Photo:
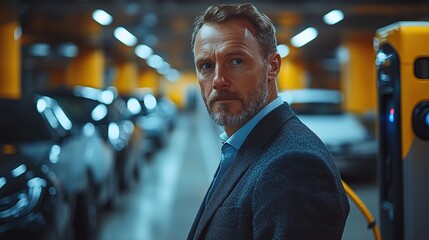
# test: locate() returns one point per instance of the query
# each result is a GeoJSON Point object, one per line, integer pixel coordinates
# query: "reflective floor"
{"type": "Point", "coordinates": [163, 203]}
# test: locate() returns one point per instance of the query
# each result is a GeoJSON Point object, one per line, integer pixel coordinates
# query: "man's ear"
{"type": "Point", "coordinates": [274, 63]}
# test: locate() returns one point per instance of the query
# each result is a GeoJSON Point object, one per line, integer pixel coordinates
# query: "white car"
{"type": "Point", "coordinates": [350, 138]}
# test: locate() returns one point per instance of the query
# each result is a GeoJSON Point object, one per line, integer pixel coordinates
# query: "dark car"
{"type": "Point", "coordinates": [52, 178]}
{"type": "Point", "coordinates": [109, 114]}
{"type": "Point", "coordinates": [32, 201]}
{"type": "Point", "coordinates": [349, 137]}
{"type": "Point", "coordinates": [156, 121]}
{"type": "Point", "coordinates": [168, 109]}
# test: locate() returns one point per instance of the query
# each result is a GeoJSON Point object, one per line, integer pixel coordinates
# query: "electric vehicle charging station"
{"type": "Point", "coordinates": [402, 63]}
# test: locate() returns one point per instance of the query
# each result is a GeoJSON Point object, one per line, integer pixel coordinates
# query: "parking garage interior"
{"type": "Point", "coordinates": [129, 149]}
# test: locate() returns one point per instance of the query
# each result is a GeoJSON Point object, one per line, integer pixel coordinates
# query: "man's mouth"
{"type": "Point", "coordinates": [224, 98]}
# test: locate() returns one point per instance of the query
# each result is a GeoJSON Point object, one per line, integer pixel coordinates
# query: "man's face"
{"type": "Point", "coordinates": [231, 72]}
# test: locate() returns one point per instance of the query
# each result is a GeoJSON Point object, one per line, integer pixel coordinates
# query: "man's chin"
{"type": "Point", "coordinates": [220, 119]}
{"type": "Point", "coordinates": [230, 119]}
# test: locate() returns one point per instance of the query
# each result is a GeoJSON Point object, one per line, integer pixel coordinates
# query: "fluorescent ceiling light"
{"type": "Point", "coordinates": [40, 49]}
{"type": "Point", "coordinates": [155, 61]}
{"type": "Point", "coordinates": [283, 50]}
{"type": "Point", "coordinates": [68, 50]}
{"type": "Point", "coordinates": [304, 37]}
{"type": "Point", "coordinates": [333, 17]}
{"type": "Point", "coordinates": [102, 17]}
{"type": "Point", "coordinates": [172, 75]}
{"type": "Point", "coordinates": [125, 37]}
{"type": "Point", "coordinates": [163, 68]}
{"type": "Point", "coordinates": [143, 51]}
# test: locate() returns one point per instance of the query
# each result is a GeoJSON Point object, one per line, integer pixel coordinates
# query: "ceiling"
{"type": "Point", "coordinates": [166, 25]}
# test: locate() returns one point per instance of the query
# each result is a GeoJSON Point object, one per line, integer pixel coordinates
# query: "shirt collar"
{"type": "Point", "coordinates": [237, 139]}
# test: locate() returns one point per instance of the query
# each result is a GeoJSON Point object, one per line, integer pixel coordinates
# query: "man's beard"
{"type": "Point", "coordinates": [257, 98]}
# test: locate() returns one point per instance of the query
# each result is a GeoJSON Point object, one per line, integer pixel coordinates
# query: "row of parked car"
{"type": "Point", "coordinates": [66, 154]}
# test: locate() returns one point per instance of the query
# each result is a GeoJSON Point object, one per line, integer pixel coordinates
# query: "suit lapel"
{"type": "Point", "coordinates": [246, 156]}
{"type": "Point", "coordinates": [224, 188]}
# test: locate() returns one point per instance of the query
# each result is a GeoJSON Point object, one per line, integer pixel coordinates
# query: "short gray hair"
{"type": "Point", "coordinates": [219, 13]}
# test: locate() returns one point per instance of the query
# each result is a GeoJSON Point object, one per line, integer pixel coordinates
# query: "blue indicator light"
{"type": "Point", "coordinates": [392, 115]}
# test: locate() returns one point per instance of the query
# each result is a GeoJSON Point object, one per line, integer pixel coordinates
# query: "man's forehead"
{"type": "Point", "coordinates": [238, 26]}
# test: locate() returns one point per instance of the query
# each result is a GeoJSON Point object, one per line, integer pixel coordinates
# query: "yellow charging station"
{"type": "Point", "coordinates": [402, 63]}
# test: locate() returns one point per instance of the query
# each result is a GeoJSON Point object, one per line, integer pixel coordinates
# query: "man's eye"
{"type": "Point", "coordinates": [236, 61]}
{"type": "Point", "coordinates": [206, 66]}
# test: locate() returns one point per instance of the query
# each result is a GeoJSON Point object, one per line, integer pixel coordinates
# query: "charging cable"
{"type": "Point", "coordinates": [364, 210]}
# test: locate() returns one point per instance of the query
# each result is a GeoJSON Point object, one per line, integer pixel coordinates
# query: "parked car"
{"type": "Point", "coordinates": [32, 201]}
{"type": "Point", "coordinates": [52, 176]}
{"type": "Point", "coordinates": [111, 117]}
{"type": "Point", "coordinates": [152, 119]}
{"type": "Point", "coordinates": [350, 138]}
{"type": "Point", "coordinates": [168, 110]}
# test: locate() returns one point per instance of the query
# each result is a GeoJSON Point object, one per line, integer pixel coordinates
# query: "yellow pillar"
{"type": "Point", "coordinates": [86, 69]}
{"type": "Point", "coordinates": [358, 74]}
{"type": "Point", "coordinates": [10, 65]}
{"type": "Point", "coordinates": [126, 77]}
{"type": "Point", "coordinates": [292, 75]}
{"type": "Point", "coordinates": [148, 78]}
{"type": "Point", "coordinates": [177, 90]}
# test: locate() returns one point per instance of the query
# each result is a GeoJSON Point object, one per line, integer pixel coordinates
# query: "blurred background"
{"type": "Point", "coordinates": [103, 134]}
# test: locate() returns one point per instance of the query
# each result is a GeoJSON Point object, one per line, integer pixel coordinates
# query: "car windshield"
{"type": "Point", "coordinates": [83, 110]}
{"type": "Point", "coordinates": [314, 101]}
{"type": "Point", "coordinates": [19, 123]}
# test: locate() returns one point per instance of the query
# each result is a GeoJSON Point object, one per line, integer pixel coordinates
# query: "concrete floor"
{"type": "Point", "coordinates": [162, 205]}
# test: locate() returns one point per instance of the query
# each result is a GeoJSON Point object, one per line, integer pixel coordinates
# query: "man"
{"type": "Point", "coordinates": [279, 181]}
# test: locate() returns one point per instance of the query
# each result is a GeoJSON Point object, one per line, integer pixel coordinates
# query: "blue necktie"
{"type": "Point", "coordinates": [228, 153]}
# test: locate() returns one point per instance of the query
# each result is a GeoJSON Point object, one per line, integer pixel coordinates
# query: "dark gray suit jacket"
{"type": "Point", "coordinates": [282, 184]}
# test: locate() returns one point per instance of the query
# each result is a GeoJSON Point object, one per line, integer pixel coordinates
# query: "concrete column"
{"type": "Point", "coordinates": [148, 78]}
{"type": "Point", "coordinates": [87, 68]}
{"type": "Point", "coordinates": [358, 73]}
{"type": "Point", "coordinates": [292, 75]}
{"type": "Point", "coordinates": [126, 77]}
{"type": "Point", "coordinates": [10, 53]}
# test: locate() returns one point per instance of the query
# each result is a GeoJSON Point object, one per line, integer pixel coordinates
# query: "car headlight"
{"type": "Point", "coordinates": [22, 202]}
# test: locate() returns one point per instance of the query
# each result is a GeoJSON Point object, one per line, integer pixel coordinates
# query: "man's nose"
{"type": "Point", "coordinates": [219, 79]}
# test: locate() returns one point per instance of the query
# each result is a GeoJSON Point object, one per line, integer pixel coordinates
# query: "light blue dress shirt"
{"type": "Point", "coordinates": [237, 139]}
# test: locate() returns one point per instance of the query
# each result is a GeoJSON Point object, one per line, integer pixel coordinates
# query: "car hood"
{"type": "Point", "coordinates": [336, 129]}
